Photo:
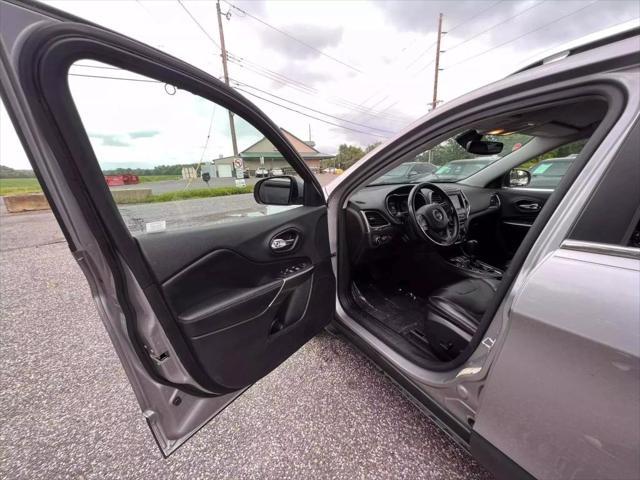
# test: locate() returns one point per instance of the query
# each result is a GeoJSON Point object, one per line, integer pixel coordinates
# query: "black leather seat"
{"type": "Point", "coordinates": [454, 313]}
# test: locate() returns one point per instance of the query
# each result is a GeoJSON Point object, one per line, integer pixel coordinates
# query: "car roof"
{"type": "Point", "coordinates": [594, 40]}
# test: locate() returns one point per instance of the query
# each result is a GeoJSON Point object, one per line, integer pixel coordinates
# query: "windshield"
{"type": "Point", "coordinates": [448, 162]}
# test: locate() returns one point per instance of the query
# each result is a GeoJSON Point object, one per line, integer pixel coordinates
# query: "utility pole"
{"type": "Point", "coordinates": [437, 69]}
{"type": "Point", "coordinates": [232, 127]}
{"type": "Point", "coordinates": [434, 102]}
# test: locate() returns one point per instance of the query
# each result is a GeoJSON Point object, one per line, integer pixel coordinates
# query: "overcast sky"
{"type": "Point", "coordinates": [366, 66]}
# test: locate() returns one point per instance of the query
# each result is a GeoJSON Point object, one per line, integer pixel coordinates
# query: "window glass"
{"type": "Point", "coordinates": [548, 169]}
{"type": "Point", "coordinates": [448, 162]}
{"type": "Point", "coordinates": [167, 155]}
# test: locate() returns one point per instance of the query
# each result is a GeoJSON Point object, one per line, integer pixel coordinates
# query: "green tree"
{"type": "Point", "coordinates": [371, 147]}
{"type": "Point", "coordinates": [348, 155]}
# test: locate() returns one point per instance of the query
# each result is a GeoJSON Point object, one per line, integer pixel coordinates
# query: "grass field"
{"type": "Point", "coordinates": [18, 186]}
{"type": "Point", "coordinates": [158, 178]}
{"type": "Point", "coordinates": [196, 193]}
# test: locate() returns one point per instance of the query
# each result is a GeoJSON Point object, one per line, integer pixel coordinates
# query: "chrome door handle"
{"type": "Point", "coordinates": [282, 243]}
{"type": "Point", "coordinates": [529, 206]}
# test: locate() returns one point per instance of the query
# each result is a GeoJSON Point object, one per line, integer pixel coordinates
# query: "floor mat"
{"type": "Point", "coordinates": [397, 308]}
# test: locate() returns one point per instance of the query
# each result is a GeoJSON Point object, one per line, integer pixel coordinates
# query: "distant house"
{"type": "Point", "coordinates": [264, 154]}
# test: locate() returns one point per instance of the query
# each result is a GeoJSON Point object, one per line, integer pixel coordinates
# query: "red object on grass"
{"type": "Point", "coordinates": [117, 180]}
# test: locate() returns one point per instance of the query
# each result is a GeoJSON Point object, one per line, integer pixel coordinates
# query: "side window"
{"type": "Point", "coordinates": [168, 156]}
{"type": "Point", "coordinates": [546, 171]}
{"type": "Point", "coordinates": [612, 214]}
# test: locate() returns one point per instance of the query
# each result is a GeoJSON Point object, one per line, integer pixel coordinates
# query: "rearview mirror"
{"type": "Point", "coordinates": [519, 177]}
{"type": "Point", "coordinates": [281, 190]}
{"type": "Point", "coordinates": [483, 147]}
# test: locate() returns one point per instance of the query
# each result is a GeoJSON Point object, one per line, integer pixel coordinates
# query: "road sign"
{"type": "Point", "coordinates": [237, 162]}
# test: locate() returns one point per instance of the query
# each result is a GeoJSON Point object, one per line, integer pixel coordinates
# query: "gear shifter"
{"type": "Point", "coordinates": [471, 249]}
{"type": "Point", "coordinates": [468, 261]}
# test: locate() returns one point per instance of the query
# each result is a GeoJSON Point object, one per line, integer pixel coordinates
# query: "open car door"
{"type": "Point", "coordinates": [199, 304]}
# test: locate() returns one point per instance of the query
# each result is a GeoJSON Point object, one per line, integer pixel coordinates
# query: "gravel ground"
{"type": "Point", "coordinates": [67, 410]}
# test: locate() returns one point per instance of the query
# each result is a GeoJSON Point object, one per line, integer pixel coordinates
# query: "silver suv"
{"type": "Point", "coordinates": [510, 311]}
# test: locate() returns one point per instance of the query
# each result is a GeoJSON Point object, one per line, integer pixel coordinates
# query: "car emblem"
{"type": "Point", "coordinates": [438, 215]}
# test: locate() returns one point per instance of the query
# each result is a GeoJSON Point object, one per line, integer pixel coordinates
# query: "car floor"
{"type": "Point", "coordinates": [398, 309]}
{"type": "Point", "coordinates": [393, 295]}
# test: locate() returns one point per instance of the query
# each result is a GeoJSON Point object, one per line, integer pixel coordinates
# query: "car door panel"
{"type": "Point", "coordinates": [167, 323]}
{"type": "Point", "coordinates": [519, 209]}
{"type": "Point", "coordinates": [572, 351]}
{"type": "Point", "coordinates": [239, 324]}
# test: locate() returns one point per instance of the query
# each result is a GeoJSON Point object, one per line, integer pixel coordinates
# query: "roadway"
{"type": "Point", "coordinates": [67, 410]}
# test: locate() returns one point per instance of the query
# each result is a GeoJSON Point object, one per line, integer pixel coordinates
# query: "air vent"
{"type": "Point", "coordinates": [375, 219]}
{"type": "Point", "coordinates": [494, 201]}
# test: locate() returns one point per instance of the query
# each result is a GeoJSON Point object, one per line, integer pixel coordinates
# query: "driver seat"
{"type": "Point", "coordinates": [454, 314]}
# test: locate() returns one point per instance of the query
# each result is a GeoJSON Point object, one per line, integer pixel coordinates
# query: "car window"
{"type": "Point", "coordinates": [167, 155]}
{"type": "Point", "coordinates": [612, 213]}
{"type": "Point", "coordinates": [448, 162]}
{"type": "Point", "coordinates": [548, 169]}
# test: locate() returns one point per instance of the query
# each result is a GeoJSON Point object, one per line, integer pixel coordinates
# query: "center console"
{"type": "Point", "coordinates": [473, 265]}
{"type": "Point", "coordinates": [469, 264]}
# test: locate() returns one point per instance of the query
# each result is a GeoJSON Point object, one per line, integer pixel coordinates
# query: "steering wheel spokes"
{"type": "Point", "coordinates": [435, 222]}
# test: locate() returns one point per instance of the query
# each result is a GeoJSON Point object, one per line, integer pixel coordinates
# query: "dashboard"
{"type": "Point", "coordinates": [397, 203]}
{"type": "Point", "coordinates": [378, 215]}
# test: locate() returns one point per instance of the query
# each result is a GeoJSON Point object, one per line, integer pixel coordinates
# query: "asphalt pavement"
{"type": "Point", "coordinates": [67, 410]}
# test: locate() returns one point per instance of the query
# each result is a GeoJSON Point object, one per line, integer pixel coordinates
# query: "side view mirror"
{"type": "Point", "coordinates": [518, 177]}
{"type": "Point", "coordinates": [280, 190]}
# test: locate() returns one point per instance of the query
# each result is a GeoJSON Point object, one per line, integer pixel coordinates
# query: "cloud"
{"type": "Point", "coordinates": [305, 73]}
{"type": "Point", "coordinates": [507, 20]}
{"type": "Point", "coordinates": [422, 17]}
{"type": "Point", "coordinates": [144, 134]}
{"type": "Point", "coordinates": [110, 140]}
{"type": "Point", "coordinates": [317, 36]}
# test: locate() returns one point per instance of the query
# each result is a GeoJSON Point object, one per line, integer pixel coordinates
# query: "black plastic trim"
{"type": "Point", "coordinates": [610, 215]}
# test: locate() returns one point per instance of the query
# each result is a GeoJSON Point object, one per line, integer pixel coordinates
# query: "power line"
{"type": "Point", "coordinates": [146, 80]}
{"type": "Point", "coordinates": [374, 115]}
{"type": "Point", "coordinates": [426, 50]}
{"type": "Point", "coordinates": [542, 54]}
{"type": "Point", "coordinates": [281, 78]}
{"type": "Point", "coordinates": [310, 116]}
{"type": "Point", "coordinates": [313, 110]}
{"type": "Point", "coordinates": [304, 88]}
{"type": "Point", "coordinates": [474, 16]}
{"type": "Point", "coordinates": [468, 39]}
{"type": "Point", "coordinates": [242, 90]}
{"type": "Point", "coordinates": [202, 29]}
{"type": "Point", "coordinates": [519, 36]}
{"type": "Point", "coordinates": [288, 35]}
{"type": "Point", "coordinates": [104, 67]}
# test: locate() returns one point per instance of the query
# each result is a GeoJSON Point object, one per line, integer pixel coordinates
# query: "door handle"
{"type": "Point", "coordinates": [279, 244]}
{"type": "Point", "coordinates": [532, 207]}
{"type": "Point", "coordinates": [284, 241]}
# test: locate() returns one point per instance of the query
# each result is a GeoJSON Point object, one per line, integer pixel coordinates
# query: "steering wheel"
{"type": "Point", "coordinates": [435, 222]}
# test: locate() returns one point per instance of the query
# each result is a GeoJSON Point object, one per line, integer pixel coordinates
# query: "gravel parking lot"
{"type": "Point", "coordinates": [67, 410]}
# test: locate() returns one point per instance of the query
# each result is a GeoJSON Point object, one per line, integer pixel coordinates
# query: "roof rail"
{"type": "Point", "coordinates": [609, 35]}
